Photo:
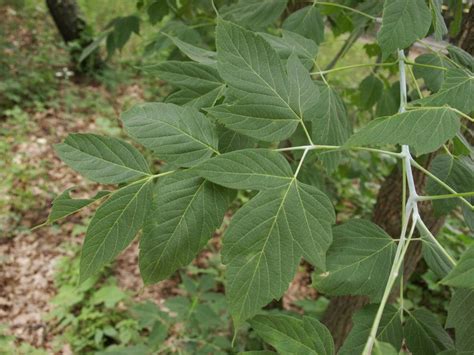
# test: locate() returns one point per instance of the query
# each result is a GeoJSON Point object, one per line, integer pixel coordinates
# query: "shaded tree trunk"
{"type": "Point", "coordinates": [73, 29]}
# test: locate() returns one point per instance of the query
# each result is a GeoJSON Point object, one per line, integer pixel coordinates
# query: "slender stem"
{"type": "Point", "coordinates": [440, 182]}
{"type": "Point", "coordinates": [415, 108]}
{"type": "Point", "coordinates": [410, 210]}
{"type": "Point", "coordinates": [316, 2]}
{"type": "Point", "coordinates": [425, 65]}
{"type": "Point", "coordinates": [413, 78]}
{"type": "Point", "coordinates": [338, 147]}
{"type": "Point", "coordinates": [321, 73]}
{"type": "Point", "coordinates": [442, 197]}
{"type": "Point", "coordinates": [301, 162]}
{"type": "Point", "coordinates": [306, 132]}
{"type": "Point", "coordinates": [363, 65]}
{"type": "Point", "coordinates": [424, 229]}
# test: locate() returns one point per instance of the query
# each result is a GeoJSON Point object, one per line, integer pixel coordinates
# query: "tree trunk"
{"type": "Point", "coordinates": [72, 27]}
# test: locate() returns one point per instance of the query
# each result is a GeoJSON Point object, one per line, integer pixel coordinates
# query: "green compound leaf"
{"type": "Point", "coordinates": [457, 91]}
{"type": "Point", "coordinates": [439, 26]}
{"type": "Point", "coordinates": [425, 130]}
{"type": "Point", "coordinates": [254, 14]}
{"type": "Point", "coordinates": [307, 22]}
{"type": "Point", "coordinates": [292, 335]}
{"type": "Point", "coordinates": [381, 348]}
{"type": "Point", "coordinates": [424, 335]}
{"type": "Point", "coordinates": [329, 124]}
{"type": "Point", "coordinates": [461, 57]}
{"type": "Point", "coordinates": [194, 53]}
{"type": "Point", "coordinates": [265, 102]}
{"type": "Point", "coordinates": [462, 275]}
{"type": "Point", "coordinates": [265, 241]}
{"type": "Point", "coordinates": [191, 76]}
{"type": "Point", "coordinates": [230, 140]}
{"type": "Point", "coordinates": [186, 211]}
{"type": "Point", "coordinates": [437, 261]}
{"type": "Point", "coordinates": [290, 43]}
{"type": "Point", "coordinates": [370, 89]}
{"type": "Point", "coordinates": [255, 169]}
{"type": "Point", "coordinates": [185, 97]}
{"type": "Point", "coordinates": [434, 78]}
{"type": "Point", "coordinates": [180, 135]}
{"type": "Point", "coordinates": [102, 159]}
{"type": "Point", "coordinates": [114, 225]}
{"type": "Point", "coordinates": [64, 205]}
{"type": "Point", "coordinates": [456, 173]}
{"type": "Point", "coordinates": [461, 318]}
{"type": "Point", "coordinates": [390, 329]}
{"type": "Point", "coordinates": [403, 22]}
{"type": "Point", "coordinates": [358, 261]}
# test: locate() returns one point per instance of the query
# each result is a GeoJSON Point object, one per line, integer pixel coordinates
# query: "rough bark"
{"type": "Point", "coordinates": [72, 27]}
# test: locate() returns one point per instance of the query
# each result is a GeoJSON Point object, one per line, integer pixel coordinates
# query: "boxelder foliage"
{"type": "Point", "coordinates": [239, 115]}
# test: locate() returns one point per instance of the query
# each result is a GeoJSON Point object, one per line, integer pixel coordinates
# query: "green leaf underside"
{"type": "Point", "coordinates": [193, 99]}
{"type": "Point", "coordinates": [291, 335]}
{"type": "Point", "coordinates": [230, 140]}
{"type": "Point", "coordinates": [433, 78]}
{"type": "Point", "coordinates": [329, 124]}
{"type": "Point", "coordinates": [307, 22]}
{"type": "Point", "coordinates": [425, 130]}
{"type": "Point", "coordinates": [358, 261]}
{"type": "Point", "coordinates": [265, 241]}
{"type": "Point", "coordinates": [462, 275]}
{"type": "Point", "coordinates": [439, 26]}
{"type": "Point", "coordinates": [461, 57]}
{"type": "Point", "coordinates": [254, 14]}
{"type": "Point", "coordinates": [64, 205]}
{"type": "Point", "coordinates": [195, 77]}
{"type": "Point", "coordinates": [181, 136]}
{"type": "Point", "coordinates": [371, 89]}
{"type": "Point", "coordinates": [424, 335]}
{"type": "Point", "coordinates": [403, 22]}
{"type": "Point", "coordinates": [114, 225]}
{"type": "Point", "coordinates": [268, 103]}
{"type": "Point", "coordinates": [102, 159]}
{"type": "Point", "coordinates": [196, 54]}
{"type": "Point", "coordinates": [186, 211]}
{"type": "Point", "coordinates": [457, 91]}
{"type": "Point", "coordinates": [461, 318]}
{"type": "Point", "coordinates": [290, 43]}
{"type": "Point", "coordinates": [255, 169]}
{"type": "Point", "coordinates": [454, 172]}
{"type": "Point", "coordinates": [390, 329]}
{"type": "Point", "coordinates": [381, 348]}
{"type": "Point", "coordinates": [437, 261]}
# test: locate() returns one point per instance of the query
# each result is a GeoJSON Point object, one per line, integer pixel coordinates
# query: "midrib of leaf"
{"type": "Point", "coordinates": [299, 118]}
{"type": "Point", "coordinates": [298, 341]}
{"type": "Point", "coordinates": [260, 254]}
{"type": "Point", "coordinates": [429, 336]}
{"type": "Point", "coordinates": [116, 220]}
{"type": "Point", "coordinates": [167, 243]}
{"type": "Point", "coordinates": [193, 138]}
{"type": "Point", "coordinates": [365, 257]}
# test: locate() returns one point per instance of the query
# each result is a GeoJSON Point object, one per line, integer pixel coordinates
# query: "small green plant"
{"type": "Point", "coordinates": [255, 115]}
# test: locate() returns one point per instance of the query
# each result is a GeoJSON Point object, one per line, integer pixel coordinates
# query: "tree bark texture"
{"type": "Point", "coordinates": [73, 28]}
